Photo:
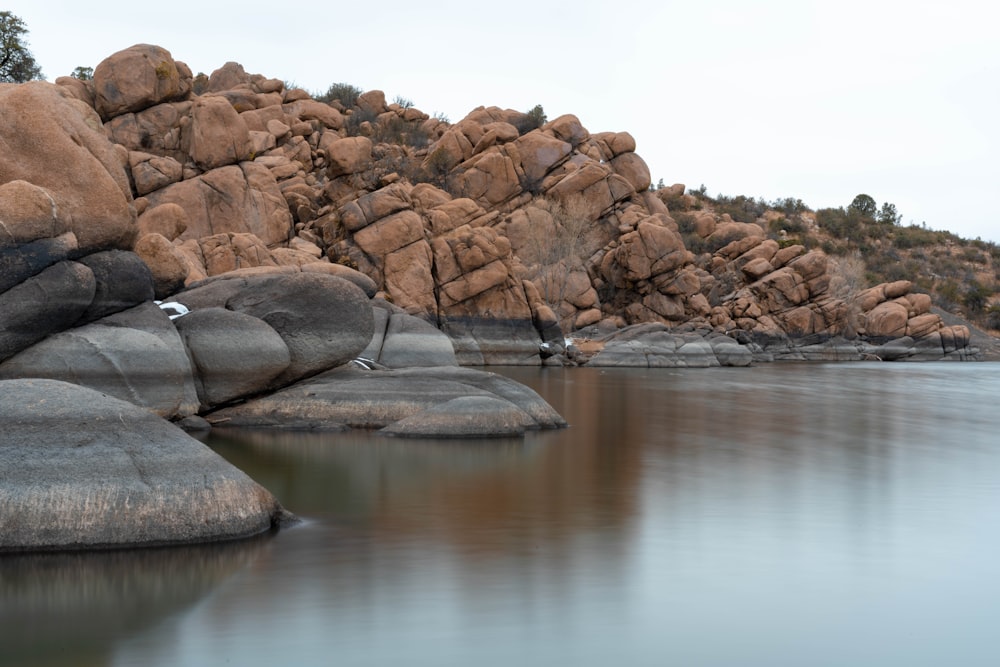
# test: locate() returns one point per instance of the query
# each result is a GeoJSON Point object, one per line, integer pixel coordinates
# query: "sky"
{"type": "Point", "coordinates": [815, 100]}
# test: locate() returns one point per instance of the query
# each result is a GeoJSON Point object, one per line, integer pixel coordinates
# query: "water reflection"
{"type": "Point", "coordinates": [782, 515]}
{"type": "Point", "coordinates": [71, 608]}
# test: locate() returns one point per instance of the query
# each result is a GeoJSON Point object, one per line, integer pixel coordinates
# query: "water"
{"type": "Point", "coordinates": [785, 514]}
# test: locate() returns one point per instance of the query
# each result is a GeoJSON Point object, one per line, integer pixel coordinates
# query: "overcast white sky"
{"type": "Point", "coordinates": [818, 100]}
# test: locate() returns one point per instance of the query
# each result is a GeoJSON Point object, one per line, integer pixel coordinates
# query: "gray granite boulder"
{"type": "Point", "coordinates": [233, 354]}
{"type": "Point", "coordinates": [655, 345]}
{"type": "Point", "coordinates": [122, 281]}
{"type": "Point", "coordinates": [21, 261]}
{"type": "Point", "coordinates": [324, 320]}
{"type": "Point", "coordinates": [353, 398]}
{"type": "Point", "coordinates": [482, 341]}
{"type": "Point", "coordinates": [729, 352]}
{"type": "Point", "coordinates": [135, 355]}
{"type": "Point", "coordinates": [402, 340]}
{"type": "Point", "coordinates": [410, 341]}
{"type": "Point", "coordinates": [51, 301]}
{"type": "Point", "coordinates": [84, 470]}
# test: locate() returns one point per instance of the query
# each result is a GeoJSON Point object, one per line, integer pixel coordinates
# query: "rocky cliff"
{"type": "Point", "coordinates": [507, 235]}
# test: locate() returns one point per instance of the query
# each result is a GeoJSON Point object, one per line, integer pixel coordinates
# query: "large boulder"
{"type": "Point", "coordinates": [233, 354]}
{"type": "Point", "coordinates": [410, 341]}
{"type": "Point", "coordinates": [353, 398]}
{"type": "Point", "coordinates": [122, 280]}
{"type": "Point", "coordinates": [55, 142]}
{"type": "Point", "coordinates": [84, 470]}
{"type": "Point", "coordinates": [135, 355]}
{"type": "Point", "coordinates": [137, 78]}
{"type": "Point", "coordinates": [539, 153]}
{"type": "Point", "coordinates": [233, 199]}
{"type": "Point", "coordinates": [654, 345]}
{"type": "Point", "coordinates": [46, 303]}
{"type": "Point", "coordinates": [27, 213]}
{"type": "Point", "coordinates": [324, 320]}
{"type": "Point", "coordinates": [167, 265]}
{"type": "Point", "coordinates": [348, 156]}
{"type": "Point", "coordinates": [219, 136]}
{"type": "Point", "coordinates": [652, 249]}
{"type": "Point", "coordinates": [20, 262]}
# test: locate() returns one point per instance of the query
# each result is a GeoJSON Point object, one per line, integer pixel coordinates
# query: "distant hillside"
{"type": "Point", "coordinates": [867, 246]}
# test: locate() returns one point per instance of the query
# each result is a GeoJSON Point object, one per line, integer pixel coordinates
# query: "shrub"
{"type": "Point", "coordinates": [976, 297]}
{"type": "Point", "coordinates": [356, 119]}
{"type": "Point", "coordinates": [531, 120]}
{"type": "Point", "coordinates": [740, 208]}
{"type": "Point", "coordinates": [847, 275]}
{"type": "Point", "coordinates": [974, 256]}
{"type": "Point", "coordinates": [200, 83]}
{"type": "Point", "coordinates": [948, 294]}
{"type": "Point", "coordinates": [841, 224]}
{"type": "Point", "coordinates": [396, 131]}
{"type": "Point", "coordinates": [790, 206]}
{"type": "Point", "coordinates": [992, 320]}
{"type": "Point", "coordinates": [914, 237]}
{"type": "Point", "coordinates": [789, 225]}
{"type": "Point", "coordinates": [435, 171]}
{"type": "Point", "coordinates": [344, 93]}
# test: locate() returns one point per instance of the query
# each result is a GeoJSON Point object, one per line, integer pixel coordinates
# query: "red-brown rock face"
{"type": "Point", "coordinates": [489, 220]}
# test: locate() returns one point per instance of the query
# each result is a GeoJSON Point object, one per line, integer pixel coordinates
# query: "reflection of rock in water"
{"type": "Point", "coordinates": [466, 493]}
{"type": "Point", "coordinates": [91, 600]}
{"type": "Point", "coordinates": [348, 474]}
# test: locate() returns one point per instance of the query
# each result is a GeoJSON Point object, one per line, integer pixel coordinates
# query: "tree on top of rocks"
{"type": "Point", "coordinates": [17, 64]}
{"type": "Point", "coordinates": [83, 73]}
{"type": "Point", "coordinates": [531, 120]}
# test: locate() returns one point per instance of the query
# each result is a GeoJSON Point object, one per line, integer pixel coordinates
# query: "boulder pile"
{"type": "Point", "coordinates": [505, 232]}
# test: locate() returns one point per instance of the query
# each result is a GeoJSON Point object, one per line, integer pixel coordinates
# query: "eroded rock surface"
{"type": "Point", "coordinates": [83, 470]}
{"type": "Point", "coordinates": [354, 398]}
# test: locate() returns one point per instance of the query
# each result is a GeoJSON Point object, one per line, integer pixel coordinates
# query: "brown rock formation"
{"type": "Point", "coordinates": [489, 228]}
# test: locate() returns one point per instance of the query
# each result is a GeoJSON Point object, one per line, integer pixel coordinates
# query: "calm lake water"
{"type": "Point", "coordinates": [786, 514]}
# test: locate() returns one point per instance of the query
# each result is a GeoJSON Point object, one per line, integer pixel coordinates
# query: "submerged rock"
{"type": "Point", "coordinates": [83, 470]}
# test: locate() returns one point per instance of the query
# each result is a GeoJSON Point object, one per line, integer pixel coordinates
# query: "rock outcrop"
{"type": "Point", "coordinates": [500, 232]}
{"type": "Point", "coordinates": [83, 470]}
{"type": "Point", "coordinates": [415, 402]}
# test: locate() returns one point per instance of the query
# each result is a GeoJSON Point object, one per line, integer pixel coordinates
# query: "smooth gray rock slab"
{"type": "Point", "coordinates": [135, 355]}
{"type": "Point", "coordinates": [465, 417]}
{"type": "Point", "coordinates": [481, 341]}
{"type": "Point", "coordinates": [410, 341]}
{"type": "Point", "coordinates": [355, 398]}
{"type": "Point", "coordinates": [84, 470]}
